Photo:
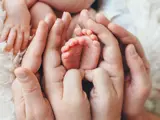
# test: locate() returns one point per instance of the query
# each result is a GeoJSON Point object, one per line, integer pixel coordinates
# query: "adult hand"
{"type": "Point", "coordinates": [30, 103]}
{"type": "Point", "coordinates": [63, 88]}
{"type": "Point", "coordinates": [138, 83]}
{"type": "Point", "coordinates": [107, 94]}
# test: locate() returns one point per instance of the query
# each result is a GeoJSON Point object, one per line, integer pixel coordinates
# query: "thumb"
{"type": "Point", "coordinates": [139, 74]}
{"type": "Point", "coordinates": [31, 90]}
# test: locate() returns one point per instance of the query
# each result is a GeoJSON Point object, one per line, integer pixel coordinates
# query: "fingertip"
{"type": "Point", "coordinates": [58, 27]}
{"type": "Point", "coordinates": [43, 24]}
{"type": "Point", "coordinates": [21, 74]}
{"type": "Point", "coordinates": [84, 12]}
{"type": "Point", "coordinates": [50, 19]}
{"type": "Point", "coordinates": [100, 18]}
{"type": "Point", "coordinates": [59, 21]}
{"type": "Point", "coordinates": [131, 51]}
{"type": "Point", "coordinates": [134, 61]}
{"type": "Point", "coordinates": [112, 26]}
{"type": "Point", "coordinates": [66, 15]}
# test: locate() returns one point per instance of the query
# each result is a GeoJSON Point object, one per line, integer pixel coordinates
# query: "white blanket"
{"type": "Point", "coordinates": [8, 62]}
{"type": "Point", "coordinates": [142, 18]}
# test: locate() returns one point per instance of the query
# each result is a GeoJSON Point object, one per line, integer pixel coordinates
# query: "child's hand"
{"type": "Point", "coordinates": [30, 103]}
{"type": "Point", "coordinates": [107, 94]}
{"type": "Point", "coordinates": [16, 30]}
{"type": "Point", "coordinates": [138, 83]}
{"type": "Point", "coordinates": [63, 88]}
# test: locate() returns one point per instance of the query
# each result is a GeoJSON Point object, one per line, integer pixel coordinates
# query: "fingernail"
{"type": "Point", "coordinates": [132, 50]}
{"type": "Point", "coordinates": [58, 21]}
{"type": "Point", "coordinates": [64, 13]}
{"type": "Point", "coordinates": [21, 75]}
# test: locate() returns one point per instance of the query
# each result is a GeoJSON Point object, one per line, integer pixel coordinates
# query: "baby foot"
{"type": "Point", "coordinates": [81, 52]}
{"type": "Point", "coordinates": [16, 29]}
{"type": "Point", "coordinates": [72, 51]}
{"type": "Point", "coordinates": [91, 54]}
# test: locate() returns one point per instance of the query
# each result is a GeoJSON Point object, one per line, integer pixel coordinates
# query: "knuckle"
{"type": "Point", "coordinates": [32, 89]}
{"type": "Point", "coordinates": [20, 37]}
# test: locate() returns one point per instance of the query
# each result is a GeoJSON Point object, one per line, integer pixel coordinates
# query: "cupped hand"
{"type": "Point", "coordinates": [63, 88]}
{"type": "Point", "coordinates": [107, 93]}
{"type": "Point", "coordinates": [138, 82]}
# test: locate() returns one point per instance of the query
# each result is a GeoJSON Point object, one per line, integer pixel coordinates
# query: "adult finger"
{"type": "Point", "coordinates": [139, 75]}
{"type": "Point", "coordinates": [32, 57]}
{"type": "Point", "coordinates": [53, 71]}
{"type": "Point", "coordinates": [50, 19]}
{"type": "Point", "coordinates": [73, 85]}
{"type": "Point", "coordinates": [18, 100]}
{"type": "Point", "coordinates": [66, 18]}
{"type": "Point", "coordinates": [127, 38]}
{"type": "Point", "coordinates": [100, 18]}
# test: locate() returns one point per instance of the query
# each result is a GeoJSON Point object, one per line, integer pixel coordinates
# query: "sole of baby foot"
{"type": "Point", "coordinates": [91, 54]}
{"type": "Point", "coordinates": [71, 53]}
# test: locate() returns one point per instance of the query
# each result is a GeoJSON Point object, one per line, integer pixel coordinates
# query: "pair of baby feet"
{"type": "Point", "coordinates": [81, 52]}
